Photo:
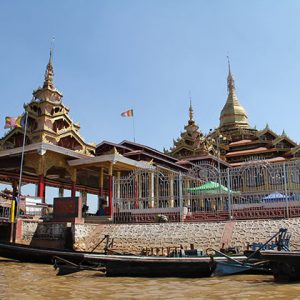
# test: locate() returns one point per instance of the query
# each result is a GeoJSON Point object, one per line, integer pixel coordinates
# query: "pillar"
{"type": "Point", "coordinates": [187, 200]}
{"type": "Point", "coordinates": [73, 183]}
{"type": "Point", "coordinates": [101, 182]}
{"type": "Point", "coordinates": [60, 192]}
{"type": "Point", "coordinates": [118, 194]}
{"type": "Point", "coordinates": [136, 191]}
{"type": "Point", "coordinates": [140, 192]}
{"type": "Point", "coordinates": [110, 190]}
{"type": "Point", "coordinates": [14, 188]}
{"type": "Point", "coordinates": [41, 188]}
{"type": "Point", "coordinates": [119, 185]}
{"type": "Point", "coordinates": [171, 181]}
{"type": "Point", "coordinates": [41, 172]}
{"type": "Point", "coordinates": [157, 192]}
{"type": "Point", "coordinates": [152, 204]}
{"type": "Point", "coordinates": [101, 191]}
{"type": "Point", "coordinates": [83, 196]}
{"type": "Point", "coordinates": [73, 189]}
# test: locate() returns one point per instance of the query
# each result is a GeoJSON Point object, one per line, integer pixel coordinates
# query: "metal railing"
{"type": "Point", "coordinates": [27, 210]}
{"type": "Point", "coordinates": [254, 191]}
{"type": "Point", "coordinates": [4, 214]}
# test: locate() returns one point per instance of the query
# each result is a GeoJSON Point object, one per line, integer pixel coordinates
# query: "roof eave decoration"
{"type": "Point", "coordinates": [267, 130]}
{"type": "Point", "coordinates": [284, 138]}
{"type": "Point", "coordinates": [295, 150]}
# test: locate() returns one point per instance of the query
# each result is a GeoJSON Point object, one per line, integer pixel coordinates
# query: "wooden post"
{"type": "Point", "coordinates": [73, 189]}
{"type": "Point", "coordinates": [60, 192]}
{"type": "Point", "coordinates": [73, 184]}
{"type": "Point", "coordinates": [101, 182]}
{"type": "Point", "coordinates": [110, 189]}
{"type": "Point", "coordinates": [83, 195]}
{"type": "Point", "coordinates": [101, 191]}
{"type": "Point", "coordinates": [41, 188]}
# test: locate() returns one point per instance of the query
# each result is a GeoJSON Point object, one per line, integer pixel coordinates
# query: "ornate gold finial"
{"type": "Point", "coordinates": [191, 108]}
{"type": "Point", "coordinates": [115, 151]}
{"type": "Point", "coordinates": [48, 83]}
{"type": "Point", "coordinates": [150, 163]}
{"type": "Point", "coordinates": [230, 79]}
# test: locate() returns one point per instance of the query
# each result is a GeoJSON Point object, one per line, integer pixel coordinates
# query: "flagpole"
{"type": "Point", "coordinates": [129, 113]}
{"type": "Point", "coordinates": [133, 128]}
{"type": "Point", "coordinates": [21, 166]}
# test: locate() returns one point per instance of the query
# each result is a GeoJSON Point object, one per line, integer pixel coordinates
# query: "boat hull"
{"type": "Point", "coordinates": [27, 253]}
{"type": "Point", "coordinates": [158, 266]}
{"type": "Point", "coordinates": [158, 269]}
{"type": "Point", "coordinates": [118, 265]}
{"type": "Point", "coordinates": [285, 265]}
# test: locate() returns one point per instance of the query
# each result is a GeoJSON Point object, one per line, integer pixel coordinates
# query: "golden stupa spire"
{"type": "Point", "coordinates": [230, 79]}
{"type": "Point", "coordinates": [48, 83]}
{"type": "Point", "coordinates": [48, 91]}
{"type": "Point", "coordinates": [233, 113]}
{"type": "Point", "coordinates": [191, 108]}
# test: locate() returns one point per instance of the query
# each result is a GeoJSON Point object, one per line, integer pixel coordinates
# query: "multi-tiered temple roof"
{"type": "Point", "coordinates": [192, 142]}
{"type": "Point", "coordinates": [48, 121]}
{"type": "Point", "coordinates": [234, 141]}
{"type": "Point", "coordinates": [244, 143]}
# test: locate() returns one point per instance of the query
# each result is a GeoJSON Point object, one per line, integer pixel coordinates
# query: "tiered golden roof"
{"type": "Point", "coordinates": [192, 142]}
{"type": "Point", "coordinates": [48, 120]}
{"type": "Point", "coordinates": [233, 114]}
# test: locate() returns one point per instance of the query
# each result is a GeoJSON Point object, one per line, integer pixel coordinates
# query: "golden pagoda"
{"type": "Point", "coordinates": [240, 143]}
{"type": "Point", "coordinates": [233, 114]}
{"type": "Point", "coordinates": [48, 121]}
{"type": "Point", "coordinates": [54, 153]}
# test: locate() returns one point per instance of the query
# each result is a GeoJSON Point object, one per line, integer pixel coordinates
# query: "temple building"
{"type": "Point", "coordinates": [141, 152]}
{"type": "Point", "coordinates": [48, 121]}
{"type": "Point", "coordinates": [55, 154]}
{"type": "Point", "coordinates": [234, 141]}
{"type": "Point", "coordinates": [193, 147]}
{"type": "Point", "coordinates": [126, 176]}
{"type": "Point", "coordinates": [192, 142]}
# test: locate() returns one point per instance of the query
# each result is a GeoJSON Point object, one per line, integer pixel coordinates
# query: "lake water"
{"type": "Point", "coordinates": [32, 281]}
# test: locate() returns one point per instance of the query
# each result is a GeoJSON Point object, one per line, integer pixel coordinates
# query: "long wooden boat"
{"type": "Point", "coordinates": [285, 265]}
{"type": "Point", "coordinates": [26, 253]}
{"type": "Point", "coordinates": [155, 266]}
{"type": "Point", "coordinates": [159, 266]}
{"type": "Point", "coordinates": [118, 265]}
{"type": "Point", "coordinates": [255, 262]}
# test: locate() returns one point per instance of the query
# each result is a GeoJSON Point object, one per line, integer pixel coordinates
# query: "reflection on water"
{"type": "Point", "coordinates": [31, 281]}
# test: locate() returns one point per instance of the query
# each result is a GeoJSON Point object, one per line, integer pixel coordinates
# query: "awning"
{"type": "Point", "coordinates": [276, 196]}
{"type": "Point", "coordinates": [211, 187]}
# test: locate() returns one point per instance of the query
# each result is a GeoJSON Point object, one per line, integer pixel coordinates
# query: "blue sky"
{"type": "Point", "coordinates": [110, 56]}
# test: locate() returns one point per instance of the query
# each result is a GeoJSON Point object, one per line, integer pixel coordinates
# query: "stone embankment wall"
{"type": "Point", "coordinates": [262, 230]}
{"type": "Point", "coordinates": [36, 233]}
{"type": "Point", "coordinates": [135, 237]}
